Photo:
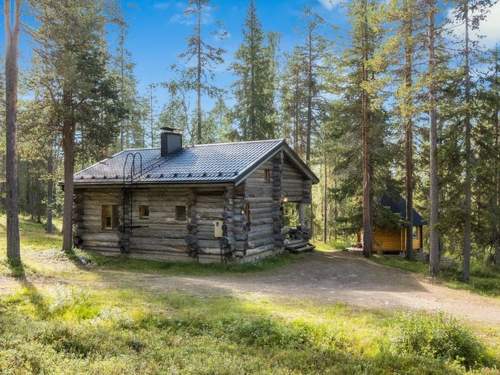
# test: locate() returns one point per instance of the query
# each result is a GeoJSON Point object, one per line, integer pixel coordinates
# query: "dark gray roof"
{"type": "Point", "coordinates": [211, 163]}
{"type": "Point", "coordinates": [397, 205]}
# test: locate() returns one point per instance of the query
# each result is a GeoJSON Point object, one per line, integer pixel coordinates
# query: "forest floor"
{"type": "Point", "coordinates": [322, 312]}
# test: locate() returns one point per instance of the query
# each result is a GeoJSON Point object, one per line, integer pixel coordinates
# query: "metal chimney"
{"type": "Point", "coordinates": [171, 141]}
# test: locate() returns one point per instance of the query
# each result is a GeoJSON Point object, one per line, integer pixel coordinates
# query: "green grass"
{"type": "Point", "coordinates": [124, 331]}
{"type": "Point", "coordinates": [483, 280]}
{"type": "Point", "coordinates": [334, 245]}
{"type": "Point", "coordinates": [64, 318]}
{"type": "Point", "coordinates": [185, 268]}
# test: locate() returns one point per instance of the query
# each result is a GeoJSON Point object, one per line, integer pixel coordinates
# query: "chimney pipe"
{"type": "Point", "coordinates": [171, 141]}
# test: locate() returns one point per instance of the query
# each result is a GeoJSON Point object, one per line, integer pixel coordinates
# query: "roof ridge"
{"type": "Point", "coordinates": [240, 142]}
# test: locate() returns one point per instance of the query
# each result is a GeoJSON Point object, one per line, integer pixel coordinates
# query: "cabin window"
{"type": "Point", "coordinates": [144, 212]}
{"type": "Point", "coordinates": [109, 216]}
{"type": "Point", "coordinates": [415, 233]}
{"type": "Point", "coordinates": [267, 175]}
{"type": "Point", "coordinates": [180, 213]}
{"type": "Point", "coordinates": [246, 212]}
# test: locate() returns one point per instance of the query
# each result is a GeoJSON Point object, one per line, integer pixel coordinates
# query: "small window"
{"type": "Point", "coordinates": [144, 212]}
{"type": "Point", "coordinates": [109, 216]}
{"type": "Point", "coordinates": [267, 175]}
{"type": "Point", "coordinates": [246, 212]}
{"type": "Point", "coordinates": [180, 213]}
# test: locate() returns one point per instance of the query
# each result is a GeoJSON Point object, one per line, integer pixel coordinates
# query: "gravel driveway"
{"type": "Point", "coordinates": [340, 277]}
{"type": "Point", "coordinates": [320, 277]}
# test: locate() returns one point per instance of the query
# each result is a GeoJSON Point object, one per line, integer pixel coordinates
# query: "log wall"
{"type": "Point", "coordinates": [250, 214]}
{"type": "Point", "coordinates": [88, 220]}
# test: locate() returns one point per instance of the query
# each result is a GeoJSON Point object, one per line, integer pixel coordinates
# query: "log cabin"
{"type": "Point", "coordinates": [207, 203]}
{"type": "Point", "coordinates": [393, 239]}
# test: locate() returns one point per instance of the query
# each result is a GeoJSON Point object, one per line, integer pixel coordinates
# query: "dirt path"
{"type": "Point", "coordinates": [322, 277]}
{"type": "Point", "coordinates": [341, 277]}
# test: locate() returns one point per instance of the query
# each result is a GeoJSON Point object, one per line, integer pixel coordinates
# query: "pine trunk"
{"type": "Point", "coordinates": [68, 149]}
{"type": "Point", "coordinates": [434, 188]}
{"type": "Point", "coordinates": [496, 224]}
{"type": "Point", "coordinates": [198, 77]}
{"type": "Point", "coordinates": [408, 125]}
{"type": "Point", "coordinates": [325, 201]}
{"type": "Point", "coordinates": [11, 78]}
{"type": "Point", "coordinates": [309, 97]}
{"type": "Point", "coordinates": [367, 184]}
{"type": "Point", "coordinates": [468, 156]}
{"type": "Point", "coordinates": [50, 191]}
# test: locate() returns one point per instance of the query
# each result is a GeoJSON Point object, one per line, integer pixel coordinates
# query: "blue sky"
{"type": "Point", "coordinates": [157, 33]}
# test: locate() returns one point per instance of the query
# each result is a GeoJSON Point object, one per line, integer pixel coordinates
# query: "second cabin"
{"type": "Point", "coordinates": [206, 203]}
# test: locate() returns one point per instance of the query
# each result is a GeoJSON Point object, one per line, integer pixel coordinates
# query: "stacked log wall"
{"type": "Point", "coordinates": [259, 196]}
{"type": "Point", "coordinates": [88, 206]}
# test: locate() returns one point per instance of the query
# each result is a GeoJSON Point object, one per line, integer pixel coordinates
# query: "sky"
{"type": "Point", "coordinates": [158, 31]}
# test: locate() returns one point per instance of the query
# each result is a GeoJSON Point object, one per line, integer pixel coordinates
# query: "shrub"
{"type": "Point", "coordinates": [440, 337]}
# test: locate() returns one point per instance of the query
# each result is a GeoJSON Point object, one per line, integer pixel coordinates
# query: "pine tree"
{"type": "Point", "coordinates": [73, 64]}
{"type": "Point", "coordinates": [205, 56]}
{"type": "Point", "coordinates": [469, 13]}
{"type": "Point", "coordinates": [313, 52]}
{"type": "Point", "coordinates": [292, 101]}
{"type": "Point", "coordinates": [433, 167]}
{"type": "Point", "coordinates": [254, 109]}
{"type": "Point", "coordinates": [12, 28]}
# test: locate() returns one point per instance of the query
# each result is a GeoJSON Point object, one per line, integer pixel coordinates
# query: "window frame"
{"type": "Point", "coordinates": [185, 214]}
{"type": "Point", "coordinates": [267, 175]}
{"type": "Point", "coordinates": [144, 212]}
{"type": "Point", "coordinates": [112, 214]}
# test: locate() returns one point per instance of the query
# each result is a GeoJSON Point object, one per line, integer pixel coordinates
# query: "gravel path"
{"type": "Point", "coordinates": [320, 277]}
{"type": "Point", "coordinates": [341, 277]}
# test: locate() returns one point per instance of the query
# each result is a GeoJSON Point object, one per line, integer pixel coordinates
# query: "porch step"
{"type": "Point", "coordinates": [298, 246]}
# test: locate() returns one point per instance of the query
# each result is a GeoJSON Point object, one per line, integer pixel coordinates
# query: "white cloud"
{"type": "Point", "coordinates": [329, 4]}
{"type": "Point", "coordinates": [489, 29]}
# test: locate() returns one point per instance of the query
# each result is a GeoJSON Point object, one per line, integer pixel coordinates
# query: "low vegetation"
{"type": "Point", "coordinates": [483, 279]}
{"type": "Point", "coordinates": [65, 316]}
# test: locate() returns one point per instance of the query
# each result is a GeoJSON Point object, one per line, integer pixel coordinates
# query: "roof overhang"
{"type": "Point", "coordinates": [282, 146]}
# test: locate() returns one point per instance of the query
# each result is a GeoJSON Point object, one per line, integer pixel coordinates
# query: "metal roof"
{"type": "Point", "coordinates": [210, 163]}
{"type": "Point", "coordinates": [397, 205]}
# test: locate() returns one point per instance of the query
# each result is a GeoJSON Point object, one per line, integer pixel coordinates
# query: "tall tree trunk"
{"type": "Point", "coordinates": [50, 190]}
{"type": "Point", "coordinates": [365, 125]}
{"type": "Point", "coordinates": [434, 187]}
{"type": "Point", "coordinates": [408, 124]}
{"type": "Point", "coordinates": [309, 95]}
{"type": "Point", "coordinates": [198, 75]}
{"type": "Point", "coordinates": [69, 156]}
{"type": "Point", "coordinates": [11, 77]}
{"type": "Point", "coordinates": [151, 122]}
{"type": "Point", "coordinates": [252, 125]}
{"type": "Point", "coordinates": [468, 156]}
{"type": "Point", "coordinates": [496, 224]}
{"type": "Point", "coordinates": [325, 199]}
{"type": "Point", "coordinates": [122, 81]}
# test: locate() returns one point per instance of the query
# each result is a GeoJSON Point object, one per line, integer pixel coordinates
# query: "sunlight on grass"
{"type": "Point", "coordinates": [88, 313]}
{"type": "Point", "coordinates": [484, 280]}
{"type": "Point", "coordinates": [118, 331]}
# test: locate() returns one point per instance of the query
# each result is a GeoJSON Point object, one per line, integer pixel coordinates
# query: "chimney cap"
{"type": "Point", "coordinates": [169, 129]}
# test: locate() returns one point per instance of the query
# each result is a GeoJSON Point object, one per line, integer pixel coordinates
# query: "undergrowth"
{"type": "Point", "coordinates": [69, 330]}
{"type": "Point", "coordinates": [483, 279]}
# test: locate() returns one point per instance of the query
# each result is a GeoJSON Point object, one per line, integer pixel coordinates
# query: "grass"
{"type": "Point", "coordinates": [64, 318]}
{"type": "Point", "coordinates": [334, 245]}
{"type": "Point", "coordinates": [483, 279]}
{"type": "Point", "coordinates": [123, 331]}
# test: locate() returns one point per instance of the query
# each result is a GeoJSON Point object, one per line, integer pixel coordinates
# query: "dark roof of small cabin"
{"type": "Point", "coordinates": [210, 163]}
{"type": "Point", "coordinates": [398, 206]}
